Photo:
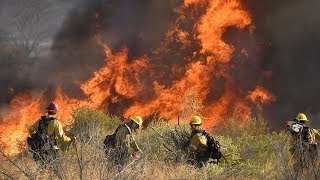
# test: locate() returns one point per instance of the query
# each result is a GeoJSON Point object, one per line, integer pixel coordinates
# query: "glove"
{"type": "Point", "coordinates": [137, 155]}
{"type": "Point", "coordinates": [74, 140]}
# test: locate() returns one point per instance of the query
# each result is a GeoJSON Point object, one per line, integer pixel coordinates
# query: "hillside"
{"type": "Point", "coordinates": [250, 152]}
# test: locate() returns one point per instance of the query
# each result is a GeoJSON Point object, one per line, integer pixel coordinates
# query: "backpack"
{"type": "Point", "coordinates": [214, 149]}
{"type": "Point", "coordinates": [110, 140]}
{"type": "Point", "coordinates": [305, 135]}
{"type": "Point", "coordinates": [41, 140]}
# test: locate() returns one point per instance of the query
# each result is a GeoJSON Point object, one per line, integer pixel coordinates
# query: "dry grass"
{"type": "Point", "coordinates": [250, 153]}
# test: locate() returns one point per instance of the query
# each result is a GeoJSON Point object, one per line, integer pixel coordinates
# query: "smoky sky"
{"type": "Point", "coordinates": [285, 42]}
{"type": "Point", "coordinates": [138, 25]}
{"type": "Point", "coordinates": [289, 33]}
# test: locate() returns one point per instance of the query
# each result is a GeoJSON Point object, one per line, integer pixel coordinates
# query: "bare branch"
{"type": "Point", "coordinates": [12, 162]}
{"type": "Point", "coordinates": [30, 20]}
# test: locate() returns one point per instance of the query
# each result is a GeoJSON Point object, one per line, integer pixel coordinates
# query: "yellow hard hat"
{"type": "Point", "coordinates": [196, 120]}
{"type": "Point", "coordinates": [301, 117]}
{"type": "Point", "coordinates": [137, 119]}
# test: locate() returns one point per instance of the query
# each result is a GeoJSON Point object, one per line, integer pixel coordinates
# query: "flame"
{"type": "Point", "coordinates": [23, 108]}
{"type": "Point", "coordinates": [211, 26]}
{"type": "Point", "coordinates": [260, 96]}
{"type": "Point", "coordinates": [116, 75]}
{"type": "Point", "coordinates": [68, 105]}
{"type": "Point", "coordinates": [188, 2]}
{"type": "Point", "coordinates": [168, 100]}
{"type": "Point", "coordinates": [220, 15]}
{"type": "Point", "coordinates": [144, 86]}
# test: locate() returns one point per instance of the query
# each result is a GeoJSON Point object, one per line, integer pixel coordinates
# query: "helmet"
{"type": "Point", "coordinates": [301, 117]}
{"type": "Point", "coordinates": [196, 120]}
{"type": "Point", "coordinates": [53, 107]}
{"type": "Point", "coordinates": [137, 119]}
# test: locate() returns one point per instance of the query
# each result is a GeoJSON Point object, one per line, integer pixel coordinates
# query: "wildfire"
{"type": "Point", "coordinates": [134, 86]}
{"type": "Point", "coordinates": [260, 96]}
{"type": "Point", "coordinates": [23, 109]}
{"type": "Point", "coordinates": [188, 2]}
{"type": "Point", "coordinates": [220, 15]}
{"type": "Point", "coordinates": [116, 75]}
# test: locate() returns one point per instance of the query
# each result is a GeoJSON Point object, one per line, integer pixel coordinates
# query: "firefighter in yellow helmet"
{"type": "Point", "coordinates": [44, 136]}
{"type": "Point", "coordinates": [125, 144]}
{"type": "Point", "coordinates": [303, 141]}
{"type": "Point", "coordinates": [204, 148]}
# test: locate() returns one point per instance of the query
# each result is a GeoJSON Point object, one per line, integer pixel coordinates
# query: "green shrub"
{"type": "Point", "coordinates": [90, 124]}
{"type": "Point", "coordinates": [229, 149]}
{"type": "Point", "coordinates": [236, 127]}
{"type": "Point", "coordinates": [247, 148]}
{"type": "Point", "coordinates": [164, 142]}
{"type": "Point", "coordinates": [250, 152]}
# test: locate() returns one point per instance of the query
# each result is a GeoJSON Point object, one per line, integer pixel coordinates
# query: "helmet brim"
{"type": "Point", "coordinates": [306, 120]}
{"type": "Point", "coordinates": [195, 124]}
{"type": "Point", "coordinates": [133, 120]}
{"type": "Point", "coordinates": [52, 110]}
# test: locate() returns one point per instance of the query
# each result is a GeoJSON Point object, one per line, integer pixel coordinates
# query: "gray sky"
{"type": "Point", "coordinates": [51, 21]}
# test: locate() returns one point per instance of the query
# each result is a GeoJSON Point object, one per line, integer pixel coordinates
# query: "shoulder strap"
{"type": "Point", "coordinates": [208, 136]}
{"type": "Point", "coordinates": [129, 129]}
{"type": "Point", "coordinates": [205, 133]}
{"type": "Point", "coordinates": [196, 132]}
{"type": "Point", "coordinates": [115, 132]}
{"type": "Point", "coordinates": [41, 123]}
{"type": "Point", "coordinates": [123, 125]}
{"type": "Point", "coordinates": [304, 130]}
{"type": "Point", "coordinates": [44, 123]}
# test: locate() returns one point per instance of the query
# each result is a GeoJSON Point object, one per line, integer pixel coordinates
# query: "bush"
{"type": "Point", "coordinates": [232, 127]}
{"type": "Point", "coordinates": [247, 148]}
{"type": "Point", "coordinates": [164, 142]}
{"type": "Point", "coordinates": [250, 152]}
{"type": "Point", "coordinates": [90, 124]}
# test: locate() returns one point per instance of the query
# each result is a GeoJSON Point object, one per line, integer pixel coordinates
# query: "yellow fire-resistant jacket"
{"type": "Point", "coordinates": [315, 135]}
{"type": "Point", "coordinates": [125, 142]}
{"type": "Point", "coordinates": [54, 129]}
{"type": "Point", "coordinates": [198, 143]}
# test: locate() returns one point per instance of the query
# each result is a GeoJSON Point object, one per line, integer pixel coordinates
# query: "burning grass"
{"type": "Point", "coordinates": [250, 152]}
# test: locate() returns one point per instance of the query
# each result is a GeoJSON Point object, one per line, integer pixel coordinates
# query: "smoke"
{"type": "Point", "coordinates": [75, 53]}
{"type": "Point", "coordinates": [283, 50]}
{"type": "Point", "coordinates": [288, 32]}
{"type": "Point", "coordinates": [21, 21]}
{"type": "Point", "coordinates": [137, 25]}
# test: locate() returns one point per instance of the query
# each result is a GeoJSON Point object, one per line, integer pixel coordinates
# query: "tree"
{"type": "Point", "coordinates": [29, 22]}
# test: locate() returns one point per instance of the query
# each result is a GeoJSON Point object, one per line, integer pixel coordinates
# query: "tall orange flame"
{"type": "Point", "coordinates": [134, 79]}
{"type": "Point", "coordinates": [22, 109]}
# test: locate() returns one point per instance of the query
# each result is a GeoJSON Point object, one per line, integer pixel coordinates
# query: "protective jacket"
{"type": "Point", "coordinates": [125, 142]}
{"type": "Point", "coordinates": [304, 146]}
{"type": "Point", "coordinates": [54, 130]}
{"type": "Point", "coordinates": [314, 136]}
{"type": "Point", "coordinates": [307, 135]}
{"type": "Point", "coordinates": [198, 142]}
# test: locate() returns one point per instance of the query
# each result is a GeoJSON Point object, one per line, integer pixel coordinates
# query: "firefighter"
{"type": "Point", "coordinates": [44, 135]}
{"type": "Point", "coordinates": [304, 146]}
{"type": "Point", "coordinates": [125, 144]}
{"type": "Point", "coordinates": [204, 148]}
